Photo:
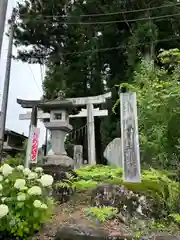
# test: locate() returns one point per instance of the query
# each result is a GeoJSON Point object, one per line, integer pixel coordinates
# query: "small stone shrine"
{"type": "Point", "coordinates": [59, 126]}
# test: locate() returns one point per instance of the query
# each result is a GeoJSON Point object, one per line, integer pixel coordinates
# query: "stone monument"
{"type": "Point", "coordinates": [78, 156]}
{"type": "Point", "coordinates": [130, 138]}
{"type": "Point", "coordinates": [113, 152]}
{"type": "Point", "coordinates": [59, 126]}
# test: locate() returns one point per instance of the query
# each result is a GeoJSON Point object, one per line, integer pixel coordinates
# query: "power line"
{"type": "Point", "coordinates": [114, 13]}
{"type": "Point", "coordinates": [114, 48]}
{"type": "Point", "coordinates": [44, 58]}
{"type": "Point", "coordinates": [34, 78]}
{"type": "Point", "coordinates": [158, 18]}
{"type": "Point", "coordinates": [121, 46]}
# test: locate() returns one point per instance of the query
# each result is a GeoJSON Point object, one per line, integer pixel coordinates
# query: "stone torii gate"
{"type": "Point", "coordinates": [90, 112]}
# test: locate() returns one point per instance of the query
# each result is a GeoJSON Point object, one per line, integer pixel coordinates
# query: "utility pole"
{"type": "Point", "coordinates": [3, 10]}
{"type": "Point", "coordinates": [6, 84]}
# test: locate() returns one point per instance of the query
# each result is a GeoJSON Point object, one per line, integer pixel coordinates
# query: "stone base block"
{"type": "Point", "coordinates": [59, 160]}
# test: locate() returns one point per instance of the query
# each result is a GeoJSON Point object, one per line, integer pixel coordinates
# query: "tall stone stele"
{"type": "Point", "coordinates": [59, 126]}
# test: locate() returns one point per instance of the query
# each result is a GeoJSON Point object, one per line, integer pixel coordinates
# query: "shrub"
{"type": "Point", "coordinates": [102, 214]}
{"type": "Point", "coordinates": [63, 189]}
{"type": "Point", "coordinates": [18, 160]}
{"type": "Point", "coordinates": [24, 200]}
{"type": "Point", "coordinates": [158, 95]}
{"type": "Point", "coordinates": [175, 217]}
{"type": "Point", "coordinates": [98, 173]}
{"type": "Point", "coordinates": [84, 184]}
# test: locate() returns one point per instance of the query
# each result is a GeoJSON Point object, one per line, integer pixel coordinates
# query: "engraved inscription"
{"type": "Point", "coordinates": [130, 144]}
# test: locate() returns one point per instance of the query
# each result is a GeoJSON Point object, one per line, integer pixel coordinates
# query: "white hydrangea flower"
{"type": "Point", "coordinates": [35, 190]}
{"type": "Point", "coordinates": [1, 178]}
{"type": "Point", "coordinates": [32, 175]}
{"type": "Point", "coordinates": [21, 197]}
{"type": "Point", "coordinates": [1, 168]}
{"type": "Point", "coordinates": [37, 204]}
{"type": "Point", "coordinates": [38, 169]}
{"type": "Point", "coordinates": [46, 180]}
{"type": "Point", "coordinates": [26, 171]}
{"type": "Point", "coordinates": [1, 187]}
{"type": "Point", "coordinates": [19, 183]}
{"type": "Point", "coordinates": [3, 210]}
{"type": "Point", "coordinates": [20, 167]}
{"type": "Point", "coordinates": [44, 206]}
{"type": "Point", "coordinates": [6, 170]}
{"type": "Point", "coordinates": [3, 199]}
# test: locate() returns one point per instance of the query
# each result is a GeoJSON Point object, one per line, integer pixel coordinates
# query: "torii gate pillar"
{"type": "Point", "coordinates": [91, 134]}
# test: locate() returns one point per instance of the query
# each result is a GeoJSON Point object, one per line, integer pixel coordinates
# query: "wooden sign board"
{"type": "Point", "coordinates": [130, 138]}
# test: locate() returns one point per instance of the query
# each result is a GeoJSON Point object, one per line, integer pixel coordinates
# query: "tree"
{"type": "Point", "coordinates": [158, 98]}
{"type": "Point", "coordinates": [170, 59]}
{"type": "Point", "coordinates": [70, 48]}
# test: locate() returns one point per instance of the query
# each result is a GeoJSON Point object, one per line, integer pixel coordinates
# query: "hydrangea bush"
{"type": "Point", "coordinates": [25, 201]}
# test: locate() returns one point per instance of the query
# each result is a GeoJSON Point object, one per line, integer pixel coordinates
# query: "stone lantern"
{"type": "Point", "coordinates": [59, 127]}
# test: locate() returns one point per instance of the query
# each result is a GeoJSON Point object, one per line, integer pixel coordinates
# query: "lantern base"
{"type": "Point", "coordinates": [59, 160]}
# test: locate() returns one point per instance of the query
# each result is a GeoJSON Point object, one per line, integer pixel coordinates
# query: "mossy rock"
{"type": "Point", "coordinates": [118, 196]}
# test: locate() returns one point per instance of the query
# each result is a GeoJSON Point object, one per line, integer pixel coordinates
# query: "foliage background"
{"type": "Point", "coordinates": [158, 97]}
{"type": "Point", "coordinates": [89, 59]}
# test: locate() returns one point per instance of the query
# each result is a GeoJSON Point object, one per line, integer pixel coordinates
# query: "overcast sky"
{"type": "Point", "coordinates": [25, 83]}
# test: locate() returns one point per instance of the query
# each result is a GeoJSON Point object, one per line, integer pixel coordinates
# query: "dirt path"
{"type": "Point", "coordinates": [72, 213]}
